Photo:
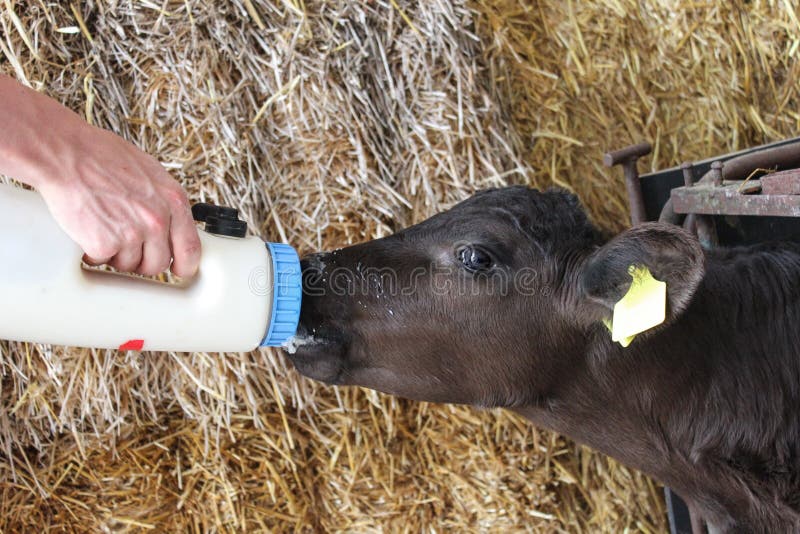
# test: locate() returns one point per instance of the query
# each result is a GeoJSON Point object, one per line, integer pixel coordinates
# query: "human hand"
{"type": "Point", "coordinates": [116, 202]}
{"type": "Point", "coordinates": [122, 207]}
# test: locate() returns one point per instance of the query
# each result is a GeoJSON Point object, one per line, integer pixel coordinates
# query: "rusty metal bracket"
{"type": "Point", "coordinates": [627, 157]}
{"type": "Point", "coordinates": [730, 198]}
{"type": "Point", "coordinates": [726, 189]}
{"type": "Point", "coordinates": [781, 183]}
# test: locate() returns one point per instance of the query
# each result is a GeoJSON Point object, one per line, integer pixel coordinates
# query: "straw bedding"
{"type": "Point", "coordinates": [327, 124]}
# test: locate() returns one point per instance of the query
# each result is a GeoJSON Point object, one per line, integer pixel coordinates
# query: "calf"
{"type": "Point", "coordinates": [501, 302]}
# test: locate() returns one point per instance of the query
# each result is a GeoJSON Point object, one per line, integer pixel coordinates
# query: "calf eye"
{"type": "Point", "coordinates": [474, 259]}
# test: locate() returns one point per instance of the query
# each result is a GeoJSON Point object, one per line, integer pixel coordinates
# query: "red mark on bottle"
{"type": "Point", "coordinates": [132, 344]}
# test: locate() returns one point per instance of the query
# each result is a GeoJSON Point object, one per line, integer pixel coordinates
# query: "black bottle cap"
{"type": "Point", "coordinates": [220, 220]}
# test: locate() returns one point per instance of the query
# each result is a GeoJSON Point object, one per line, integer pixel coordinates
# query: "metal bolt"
{"type": "Point", "coordinates": [716, 173]}
{"type": "Point", "coordinates": [688, 173]}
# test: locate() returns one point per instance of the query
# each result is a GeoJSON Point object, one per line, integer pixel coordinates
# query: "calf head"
{"type": "Point", "coordinates": [490, 303]}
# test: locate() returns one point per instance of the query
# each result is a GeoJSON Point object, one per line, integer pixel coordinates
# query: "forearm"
{"type": "Point", "coordinates": [37, 134]}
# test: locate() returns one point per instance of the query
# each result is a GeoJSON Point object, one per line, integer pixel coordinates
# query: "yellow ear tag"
{"type": "Point", "coordinates": [624, 342]}
{"type": "Point", "coordinates": [643, 306]}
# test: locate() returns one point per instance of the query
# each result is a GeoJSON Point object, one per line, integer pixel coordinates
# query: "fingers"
{"type": "Point", "coordinates": [96, 260]}
{"type": "Point", "coordinates": [100, 250]}
{"type": "Point", "coordinates": [133, 242]}
{"type": "Point", "coordinates": [128, 259]}
{"type": "Point", "coordinates": [138, 235]}
{"type": "Point", "coordinates": [184, 239]}
{"type": "Point", "coordinates": [155, 255]}
{"type": "Point", "coordinates": [147, 248]}
{"type": "Point", "coordinates": [147, 258]}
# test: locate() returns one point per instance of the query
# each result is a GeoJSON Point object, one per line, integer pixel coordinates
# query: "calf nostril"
{"type": "Point", "coordinates": [313, 271]}
{"type": "Point", "coordinates": [316, 261]}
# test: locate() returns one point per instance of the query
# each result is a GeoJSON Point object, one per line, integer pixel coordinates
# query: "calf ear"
{"type": "Point", "coordinates": [670, 253]}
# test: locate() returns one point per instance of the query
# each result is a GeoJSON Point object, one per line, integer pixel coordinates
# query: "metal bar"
{"type": "Point", "coordinates": [715, 174]}
{"type": "Point", "coordinates": [628, 153]}
{"type": "Point", "coordinates": [627, 157]}
{"type": "Point", "coordinates": [781, 183]}
{"type": "Point", "coordinates": [780, 158]}
{"type": "Point", "coordinates": [688, 173]}
{"type": "Point", "coordinates": [706, 231]}
{"type": "Point", "coordinates": [704, 198]}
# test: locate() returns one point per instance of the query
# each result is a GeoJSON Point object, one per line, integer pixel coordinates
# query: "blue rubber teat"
{"type": "Point", "coordinates": [287, 294]}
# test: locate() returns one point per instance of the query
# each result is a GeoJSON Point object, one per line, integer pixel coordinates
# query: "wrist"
{"type": "Point", "coordinates": [18, 162]}
{"type": "Point", "coordinates": [43, 138]}
{"type": "Point", "coordinates": [27, 163]}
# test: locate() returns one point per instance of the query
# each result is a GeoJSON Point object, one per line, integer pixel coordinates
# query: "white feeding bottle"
{"type": "Point", "coordinates": [244, 295]}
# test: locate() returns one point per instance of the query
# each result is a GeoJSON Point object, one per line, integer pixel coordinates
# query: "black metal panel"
{"type": "Point", "coordinates": [678, 513]}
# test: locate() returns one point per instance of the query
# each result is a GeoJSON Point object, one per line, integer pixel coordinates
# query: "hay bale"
{"type": "Point", "coordinates": [331, 123]}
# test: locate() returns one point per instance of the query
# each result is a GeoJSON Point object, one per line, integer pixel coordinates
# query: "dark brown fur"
{"type": "Point", "coordinates": [707, 402]}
